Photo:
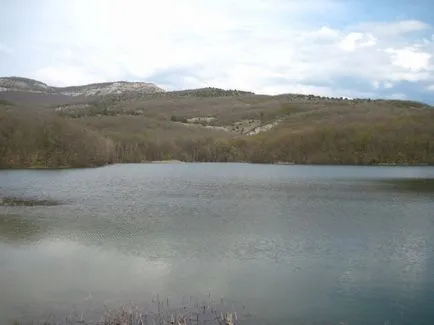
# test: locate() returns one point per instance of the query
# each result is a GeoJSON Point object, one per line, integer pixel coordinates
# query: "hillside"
{"type": "Point", "coordinates": [212, 124]}
{"type": "Point", "coordinates": [19, 84]}
{"type": "Point", "coordinates": [35, 139]}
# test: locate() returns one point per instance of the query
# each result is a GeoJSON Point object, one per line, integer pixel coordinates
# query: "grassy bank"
{"type": "Point", "coordinates": [209, 312]}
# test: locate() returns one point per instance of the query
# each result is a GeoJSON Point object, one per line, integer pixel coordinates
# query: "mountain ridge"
{"type": "Point", "coordinates": [15, 83]}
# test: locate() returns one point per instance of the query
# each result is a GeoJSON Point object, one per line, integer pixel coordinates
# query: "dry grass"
{"type": "Point", "coordinates": [140, 127]}
{"type": "Point", "coordinates": [160, 312]}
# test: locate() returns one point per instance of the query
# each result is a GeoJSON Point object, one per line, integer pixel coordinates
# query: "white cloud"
{"type": "Point", "coordinates": [353, 41]}
{"type": "Point", "coordinates": [378, 85]}
{"type": "Point", "coordinates": [430, 88]}
{"type": "Point", "coordinates": [396, 96]}
{"type": "Point", "coordinates": [264, 46]}
{"type": "Point", "coordinates": [391, 29]}
{"type": "Point", "coordinates": [410, 58]}
{"type": "Point", "coordinates": [64, 75]}
{"type": "Point", "coordinates": [322, 34]}
{"type": "Point", "coordinates": [4, 49]}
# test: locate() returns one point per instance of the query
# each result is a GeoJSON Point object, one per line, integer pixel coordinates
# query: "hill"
{"type": "Point", "coordinates": [35, 139]}
{"type": "Point", "coordinates": [213, 124]}
{"type": "Point", "coordinates": [34, 86]}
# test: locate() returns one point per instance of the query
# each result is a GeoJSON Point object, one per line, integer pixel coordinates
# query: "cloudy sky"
{"type": "Point", "coordinates": [381, 48]}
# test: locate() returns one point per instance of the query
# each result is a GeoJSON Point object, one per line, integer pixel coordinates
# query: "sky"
{"type": "Point", "coordinates": [366, 48]}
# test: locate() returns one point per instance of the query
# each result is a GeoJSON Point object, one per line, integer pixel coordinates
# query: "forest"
{"type": "Point", "coordinates": [302, 130]}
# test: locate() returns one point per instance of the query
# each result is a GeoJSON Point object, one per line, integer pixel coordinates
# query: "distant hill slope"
{"type": "Point", "coordinates": [98, 89]}
{"type": "Point", "coordinates": [207, 124]}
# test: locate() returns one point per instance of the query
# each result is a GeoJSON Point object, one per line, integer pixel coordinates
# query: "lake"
{"type": "Point", "coordinates": [290, 244]}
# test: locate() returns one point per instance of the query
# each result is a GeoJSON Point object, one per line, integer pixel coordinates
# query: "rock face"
{"type": "Point", "coordinates": [100, 89]}
{"type": "Point", "coordinates": [22, 84]}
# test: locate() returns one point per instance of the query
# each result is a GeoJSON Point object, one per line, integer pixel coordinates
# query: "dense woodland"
{"type": "Point", "coordinates": [29, 139]}
{"type": "Point", "coordinates": [311, 131]}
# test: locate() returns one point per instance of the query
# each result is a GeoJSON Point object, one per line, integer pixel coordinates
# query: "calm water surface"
{"type": "Point", "coordinates": [294, 244]}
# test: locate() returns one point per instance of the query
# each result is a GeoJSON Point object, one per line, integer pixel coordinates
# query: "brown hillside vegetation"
{"type": "Point", "coordinates": [216, 125]}
{"type": "Point", "coordinates": [396, 141]}
{"type": "Point", "coordinates": [35, 139]}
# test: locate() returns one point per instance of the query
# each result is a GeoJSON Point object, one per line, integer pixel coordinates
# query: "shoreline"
{"type": "Point", "coordinates": [172, 161]}
{"type": "Point", "coordinates": [169, 162]}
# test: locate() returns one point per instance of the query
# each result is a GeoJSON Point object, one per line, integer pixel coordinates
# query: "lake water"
{"type": "Point", "coordinates": [292, 244]}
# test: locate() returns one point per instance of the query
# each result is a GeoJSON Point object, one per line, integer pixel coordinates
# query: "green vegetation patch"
{"type": "Point", "coordinates": [19, 201]}
{"type": "Point", "coordinates": [210, 92]}
{"type": "Point", "coordinates": [415, 185]}
{"type": "Point", "coordinates": [4, 102]}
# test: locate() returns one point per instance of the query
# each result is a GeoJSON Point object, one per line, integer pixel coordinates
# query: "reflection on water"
{"type": "Point", "coordinates": [20, 201]}
{"type": "Point", "coordinates": [295, 244]}
{"type": "Point", "coordinates": [416, 186]}
{"type": "Point", "coordinates": [15, 228]}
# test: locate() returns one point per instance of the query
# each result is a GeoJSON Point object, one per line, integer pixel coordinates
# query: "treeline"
{"type": "Point", "coordinates": [209, 92]}
{"type": "Point", "coordinates": [44, 140]}
{"type": "Point", "coordinates": [396, 140]}
{"type": "Point", "coordinates": [392, 142]}
{"type": "Point", "coordinates": [378, 144]}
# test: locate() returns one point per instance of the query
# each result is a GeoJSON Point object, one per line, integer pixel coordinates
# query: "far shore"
{"type": "Point", "coordinates": [173, 161]}
{"type": "Point", "coordinates": [165, 162]}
